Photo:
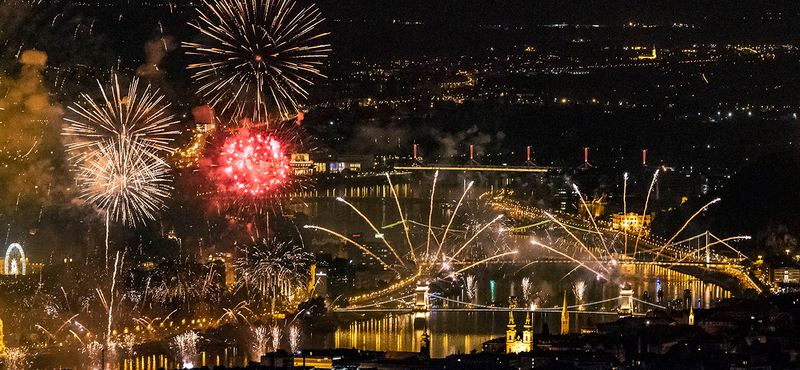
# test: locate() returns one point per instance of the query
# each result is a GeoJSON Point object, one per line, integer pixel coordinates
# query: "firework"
{"type": "Point", "coordinates": [253, 164]}
{"type": "Point", "coordinates": [294, 338]}
{"type": "Point", "coordinates": [94, 352]}
{"type": "Point", "coordinates": [127, 343]}
{"type": "Point", "coordinates": [527, 289]}
{"type": "Point", "coordinates": [125, 181]}
{"type": "Point", "coordinates": [579, 289]}
{"type": "Point", "coordinates": [16, 358]}
{"type": "Point", "coordinates": [276, 337]}
{"type": "Point", "coordinates": [257, 53]}
{"type": "Point", "coordinates": [472, 288]}
{"type": "Point", "coordinates": [185, 347]}
{"type": "Point", "coordinates": [259, 344]}
{"type": "Point", "coordinates": [138, 117]}
{"type": "Point", "coordinates": [273, 269]}
{"type": "Point", "coordinates": [116, 149]}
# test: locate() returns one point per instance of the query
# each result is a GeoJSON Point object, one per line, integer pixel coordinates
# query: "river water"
{"type": "Point", "coordinates": [453, 332]}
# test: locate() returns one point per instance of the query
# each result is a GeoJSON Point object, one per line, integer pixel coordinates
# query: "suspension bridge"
{"type": "Point", "coordinates": [422, 301]}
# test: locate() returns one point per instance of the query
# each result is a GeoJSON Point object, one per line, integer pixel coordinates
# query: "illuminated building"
{"type": "Point", "coordinates": [564, 317]}
{"type": "Point", "coordinates": [342, 163]}
{"type": "Point", "coordinates": [228, 262]}
{"type": "Point", "coordinates": [190, 154]}
{"type": "Point", "coordinates": [785, 275]}
{"type": "Point", "coordinates": [691, 316]}
{"type": "Point", "coordinates": [597, 207]}
{"type": "Point", "coordinates": [632, 223]}
{"type": "Point", "coordinates": [651, 56]}
{"type": "Point", "coordinates": [514, 343]}
{"type": "Point", "coordinates": [301, 164]}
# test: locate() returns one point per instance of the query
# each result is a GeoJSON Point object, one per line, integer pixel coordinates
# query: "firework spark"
{"type": "Point", "coordinates": [274, 269]}
{"type": "Point", "coordinates": [258, 53]}
{"type": "Point", "coordinates": [276, 337]}
{"type": "Point", "coordinates": [472, 288]}
{"type": "Point", "coordinates": [579, 289]}
{"type": "Point", "coordinates": [116, 149]}
{"type": "Point", "coordinates": [253, 164]}
{"type": "Point", "coordinates": [94, 351]}
{"type": "Point", "coordinates": [16, 358]}
{"type": "Point", "coordinates": [527, 289]}
{"type": "Point", "coordinates": [125, 181]}
{"type": "Point", "coordinates": [294, 339]}
{"type": "Point", "coordinates": [185, 347]}
{"type": "Point", "coordinates": [258, 346]}
{"type": "Point", "coordinates": [138, 117]}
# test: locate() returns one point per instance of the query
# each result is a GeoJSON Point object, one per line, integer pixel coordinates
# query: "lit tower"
{"type": "Point", "coordinates": [585, 165]}
{"type": "Point", "coordinates": [527, 333]}
{"type": "Point", "coordinates": [564, 317]}
{"type": "Point", "coordinates": [691, 316]}
{"type": "Point", "coordinates": [511, 333]}
{"type": "Point", "coordinates": [529, 162]}
{"type": "Point", "coordinates": [472, 161]}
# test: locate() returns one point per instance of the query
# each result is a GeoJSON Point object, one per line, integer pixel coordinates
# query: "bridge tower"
{"type": "Point", "coordinates": [626, 300]}
{"type": "Point", "coordinates": [421, 300]}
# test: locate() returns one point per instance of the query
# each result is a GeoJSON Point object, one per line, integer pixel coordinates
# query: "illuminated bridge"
{"type": "Point", "coordinates": [420, 302]}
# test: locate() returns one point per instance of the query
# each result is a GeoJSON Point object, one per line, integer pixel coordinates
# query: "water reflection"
{"type": "Point", "coordinates": [453, 332]}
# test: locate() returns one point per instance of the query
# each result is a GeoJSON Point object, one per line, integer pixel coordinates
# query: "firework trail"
{"type": "Point", "coordinates": [472, 288]}
{"type": "Point", "coordinates": [646, 201]}
{"type": "Point", "coordinates": [402, 218]}
{"type": "Point", "coordinates": [185, 347]}
{"type": "Point", "coordinates": [486, 260]}
{"type": "Point", "coordinates": [16, 358]}
{"type": "Point", "coordinates": [376, 229]}
{"type": "Point", "coordinates": [428, 264]}
{"type": "Point", "coordinates": [294, 338]}
{"type": "Point", "coordinates": [258, 53]}
{"type": "Point", "coordinates": [684, 226]}
{"type": "Point", "coordinates": [576, 239]}
{"type": "Point", "coordinates": [625, 207]}
{"type": "Point", "coordinates": [579, 289]}
{"type": "Point", "coordinates": [527, 289]}
{"type": "Point", "coordinates": [570, 257]}
{"type": "Point", "coordinates": [276, 337]}
{"type": "Point", "coordinates": [591, 217]}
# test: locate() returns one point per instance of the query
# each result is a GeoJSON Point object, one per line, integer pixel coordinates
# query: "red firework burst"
{"type": "Point", "coordinates": [253, 164]}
